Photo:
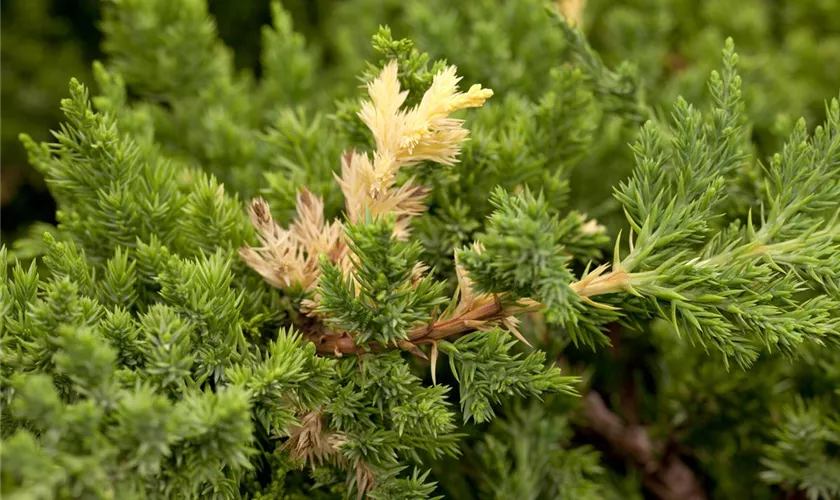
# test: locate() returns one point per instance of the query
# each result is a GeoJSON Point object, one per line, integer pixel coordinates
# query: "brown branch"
{"type": "Point", "coordinates": [669, 478]}
{"type": "Point", "coordinates": [483, 313]}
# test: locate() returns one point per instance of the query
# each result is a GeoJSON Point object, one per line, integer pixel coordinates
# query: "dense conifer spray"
{"type": "Point", "coordinates": [517, 260]}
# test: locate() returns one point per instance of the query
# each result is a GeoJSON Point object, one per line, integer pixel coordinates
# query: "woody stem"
{"type": "Point", "coordinates": [337, 343]}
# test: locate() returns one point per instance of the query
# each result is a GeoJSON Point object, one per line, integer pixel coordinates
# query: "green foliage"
{"type": "Point", "coordinates": [413, 488]}
{"type": "Point", "coordinates": [486, 370]}
{"type": "Point", "coordinates": [142, 359]}
{"type": "Point", "coordinates": [514, 143]}
{"type": "Point", "coordinates": [619, 89]}
{"type": "Point", "coordinates": [804, 454]}
{"type": "Point", "coordinates": [539, 463]}
{"type": "Point", "coordinates": [286, 63]}
{"type": "Point", "coordinates": [523, 52]}
{"type": "Point", "coordinates": [386, 411]}
{"type": "Point", "coordinates": [391, 296]}
{"type": "Point", "coordinates": [522, 253]}
{"type": "Point", "coordinates": [740, 293]}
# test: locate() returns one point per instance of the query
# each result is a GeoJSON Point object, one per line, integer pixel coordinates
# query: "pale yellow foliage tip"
{"type": "Point", "coordinates": [404, 138]}
{"type": "Point", "coordinates": [290, 257]}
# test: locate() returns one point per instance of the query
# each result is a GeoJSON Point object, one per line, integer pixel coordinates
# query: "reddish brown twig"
{"type": "Point", "coordinates": [482, 315]}
{"type": "Point", "coordinates": [669, 478]}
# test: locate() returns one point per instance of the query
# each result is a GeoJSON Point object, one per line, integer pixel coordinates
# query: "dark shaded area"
{"type": "Point", "coordinates": [47, 42]}
{"type": "Point", "coordinates": [83, 18]}
{"type": "Point", "coordinates": [32, 202]}
{"type": "Point", "coordinates": [44, 43]}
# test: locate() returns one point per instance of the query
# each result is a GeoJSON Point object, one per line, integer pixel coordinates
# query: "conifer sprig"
{"type": "Point", "coordinates": [743, 293]}
{"type": "Point", "coordinates": [357, 269]}
{"type": "Point", "coordinates": [801, 456]}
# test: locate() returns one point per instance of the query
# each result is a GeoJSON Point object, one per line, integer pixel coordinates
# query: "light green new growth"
{"type": "Point", "coordinates": [738, 287]}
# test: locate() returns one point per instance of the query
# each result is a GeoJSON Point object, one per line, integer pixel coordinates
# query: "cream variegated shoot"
{"type": "Point", "coordinates": [289, 258]}
{"type": "Point", "coordinates": [403, 139]}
